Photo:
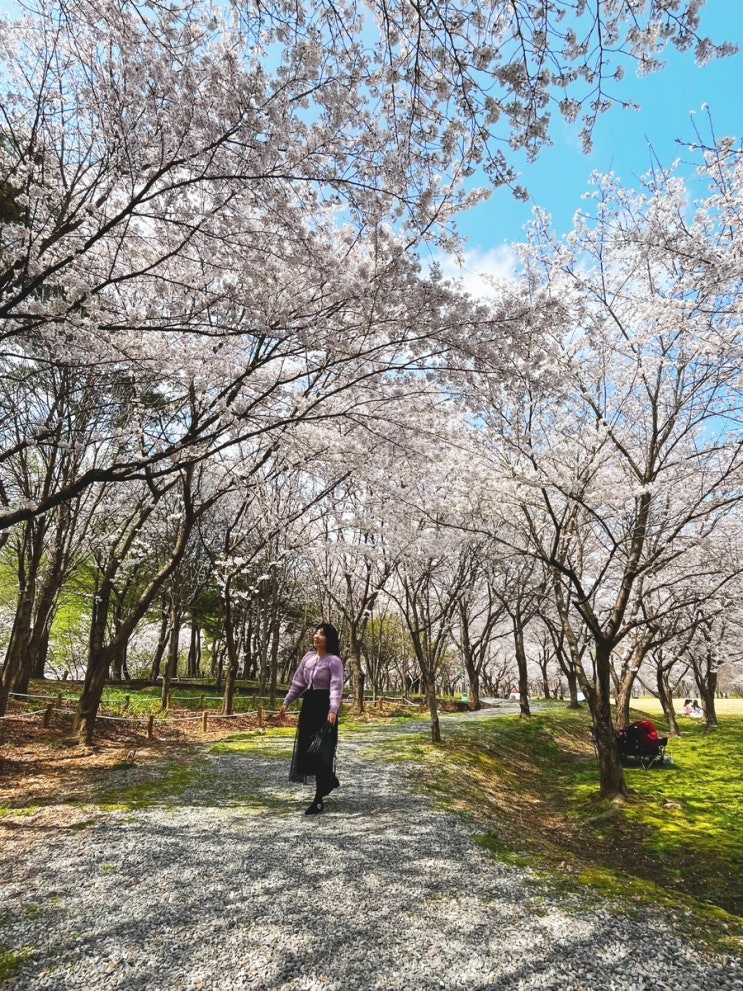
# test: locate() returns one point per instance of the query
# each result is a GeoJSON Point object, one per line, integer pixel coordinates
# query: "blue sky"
{"type": "Point", "coordinates": [559, 178]}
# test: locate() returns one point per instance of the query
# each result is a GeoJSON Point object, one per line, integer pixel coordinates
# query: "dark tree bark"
{"type": "Point", "coordinates": [597, 691]}
{"type": "Point", "coordinates": [357, 673]}
{"type": "Point", "coordinates": [102, 654]}
{"type": "Point", "coordinates": [162, 640]}
{"type": "Point", "coordinates": [28, 563]}
{"type": "Point", "coordinates": [233, 645]}
{"type": "Point", "coordinates": [598, 694]}
{"type": "Point", "coordinates": [704, 666]}
{"type": "Point", "coordinates": [174, 626]}
{"type": "Point", "coordinates": [194, 651]}
{"type": "Point", "coordinates": [665, 697]}
{"type": "Point", "coordinates": [521, 662]}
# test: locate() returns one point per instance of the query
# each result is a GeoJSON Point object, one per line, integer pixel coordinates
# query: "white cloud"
{"type": "Point", "coordinates": [477, 270]}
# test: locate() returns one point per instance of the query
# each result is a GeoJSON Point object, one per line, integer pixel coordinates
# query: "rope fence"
{"type": "Point", "coordinates": [55, 707]}
{"type": "Point", "coordinates": [22, 715]}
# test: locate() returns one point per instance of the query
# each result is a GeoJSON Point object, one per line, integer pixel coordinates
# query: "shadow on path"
{"type": "Point", "coordinates": [234, 888]}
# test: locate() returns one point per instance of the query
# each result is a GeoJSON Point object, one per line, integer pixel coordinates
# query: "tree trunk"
{"type": "Point", "coordinates": [194, 651]}
{"type": "Point", "coordinates": [357, 675]}
{"type": "Point", "coordinates": [274, 672]}
{"type": "Point", "coordinates": [624, 699]}
{"type": "Point", "coordinates": [433, 710]}
{"type": "Point", "coordinates": [99, 663]}
{"type": "Point", "coordinates": [473, 679]}
{"type": "Point", "coordinates": [38, 642]}
{"type": "Point", "coordinates": [572, 679]}
{"type": "Point", "coordinates": [40, 652]}
{"type": "Point", "coordinates": [171, 667]}
{"type": "Point", "coordinates": [233, 660]}
{"type": "Point", "coordinates": [253, 649]}
{"type": "Point", "coordinates": [470, 665]}
{"type": "Point", "coordinates": [162, 641]}
{"type": "Point", "coordinates": [546, 690]}
{"type": "Point", "coordinates": [707, 691]}
{"type": "Point", "coordinates": [217, 669]}
{"type": "Point", "coordinates": [521, 663]}
{"type": "Point", "coordinates": [17, 668]}
{"type": "Point", "coordinates": [229, 686]}
{"type": "Point", "coordinates": [119, 671]}
{"type": "Point", "coordinates": [13, 661]}
{"type": "Point", "coordinates": [611, 774]}
{"type": "Point", "coordinates": [21, 631]}
{"type": "Point", "coordinates": [666, 700]}
{"type": "Point", "coordinates": [117, 661]}
{"type": "Point", "coordinates": [273, 658]}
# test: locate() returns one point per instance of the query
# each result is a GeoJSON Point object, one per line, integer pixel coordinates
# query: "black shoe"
{"type": "Point", "coordinates": [314, 809]}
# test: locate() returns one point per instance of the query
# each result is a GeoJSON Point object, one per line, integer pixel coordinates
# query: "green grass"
{"type": "Point", "coordinates": [11, 962]}
{"type": "Point", "coordinates": [690, 818]}
{"type": "Point", "coordinates": [186, 782]}
{"type": "Point", "coordinates": [274, 743]}
{"type": "Point", "coordinates": [530, 788]}
{"type": "Point", "coordinates": [147, 701]}
{"type": "Point", "coordinates": [166, 788]}
{"type": "Point", "coordinates": [121, 700]}
{"type": "Point", "coordinates": [28, 810]}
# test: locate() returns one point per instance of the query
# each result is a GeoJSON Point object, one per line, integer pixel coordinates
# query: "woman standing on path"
{"type": "Point", "coordinates": [319, 680]}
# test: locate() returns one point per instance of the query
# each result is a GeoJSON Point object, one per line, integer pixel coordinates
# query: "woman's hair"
{"type": "Point", "coordinates": [331, 637]}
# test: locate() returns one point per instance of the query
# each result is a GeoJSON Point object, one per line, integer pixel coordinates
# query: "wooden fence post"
{"type": "Point", "coordinates": [260, 717]}
{"type": "Point", "coordinates": [203, 721]}
{"type": "Point", "coordinates": [47, 715]}
{"type": "Point", "coordinates": [150, 727]}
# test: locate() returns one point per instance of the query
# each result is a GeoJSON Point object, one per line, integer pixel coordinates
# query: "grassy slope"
{"type": "Point", "coordinates": [530, 787]}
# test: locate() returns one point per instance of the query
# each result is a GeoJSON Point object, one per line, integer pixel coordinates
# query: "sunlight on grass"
{"type": "Point", "coordinates": [164, 789]}
{"type": "Point", "coordinates": [530, 787]}
{"type": "Point", "coordinates": [27, 810]}
{"type": "Point", "coordinates": [274, 743]}
{"type": "Point", "coordinates": [147, 701]}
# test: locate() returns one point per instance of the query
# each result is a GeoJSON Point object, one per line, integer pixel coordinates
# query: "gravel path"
{"type": "Point", "coordinates": [230, 887]}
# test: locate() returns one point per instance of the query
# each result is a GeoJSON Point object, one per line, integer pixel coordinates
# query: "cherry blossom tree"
{"type": "Point", "coordinates": [430, 570]}
{"type": "Point", "coordinates": [356, 562]}
{"type": "Point", "coordinates": [619, 437]}
{"type": "Point", "coordinates": [480, 609]}
{"type": "Point", "coordinates": [128, 546]}
{"type": "Point", "coordinates": [211, 211]}
{"type": "Point", "coordinates": [172, 176]}
{"type": "Point", "coordinates": [44, 548]}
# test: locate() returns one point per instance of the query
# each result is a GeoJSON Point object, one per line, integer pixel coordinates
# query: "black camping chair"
{"type": "Point", "coordinates": [639, 743]}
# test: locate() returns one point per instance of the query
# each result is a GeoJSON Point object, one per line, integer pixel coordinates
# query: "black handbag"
{"type": "Point", "coordinates": [321, 745]}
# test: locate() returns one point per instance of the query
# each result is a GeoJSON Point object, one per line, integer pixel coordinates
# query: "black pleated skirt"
{"type": "Point", "coordinates": [314, 712]}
